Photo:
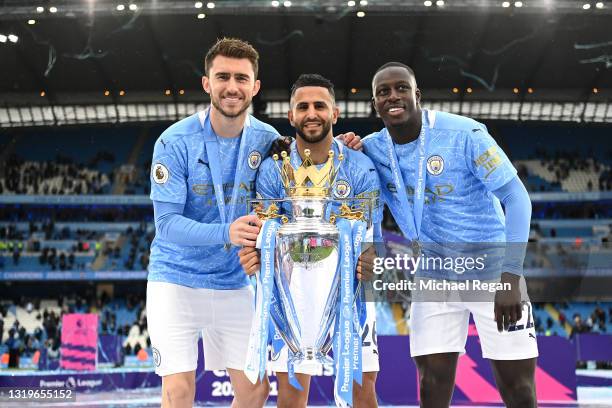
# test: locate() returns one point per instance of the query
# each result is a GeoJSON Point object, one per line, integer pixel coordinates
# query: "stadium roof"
{"type": "Point", "coordinates": [461, 51]}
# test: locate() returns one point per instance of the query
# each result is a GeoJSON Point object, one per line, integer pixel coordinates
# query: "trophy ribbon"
{"type": "Point", "coordinates": [277, 340]}
{"type": "Point", "coordinates": [359, 312]}
{"type": "Point", "coordinates": [291, 359]}
{"type": "Point", "coordinates": [345, 354]}
{"type": "Point", "coordinates": [258, 342]}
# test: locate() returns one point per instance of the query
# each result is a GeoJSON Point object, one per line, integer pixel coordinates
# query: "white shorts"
{"type": "Point", "coordinates": [177, 314]}
{"type": "Point", "coordinates": [442, 327]}
{"type": "Point", "coordinates": [369, 349]}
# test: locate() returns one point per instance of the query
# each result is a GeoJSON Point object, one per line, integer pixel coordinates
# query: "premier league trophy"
{"type": "Point", "coordinates": [307, 269]}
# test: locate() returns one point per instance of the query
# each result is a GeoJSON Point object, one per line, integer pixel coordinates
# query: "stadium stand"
{"type": "Point", "coordinates": [77, 161]}
{"type": "Point", "coordinates": [100, 160]}
{"type": "Point", "coordinates": [556, 158]}
{"type": "Point", "coordinates": [74, 246]}
{"type": "Point", "coordinates": [28, 325]}
{"type": "Point", "coordinates": [566, 175]}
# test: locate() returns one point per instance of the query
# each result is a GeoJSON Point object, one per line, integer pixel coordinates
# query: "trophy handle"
{"type": "Point", "coordinates": [348, 213]}
{"type": "Point", "coordinates": [361, 211]}
{"type": "Point", "coordinates": [287, 341]}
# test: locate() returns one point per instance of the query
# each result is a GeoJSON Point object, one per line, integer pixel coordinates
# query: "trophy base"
{"type": "Point", "coordinates": [309, 359]}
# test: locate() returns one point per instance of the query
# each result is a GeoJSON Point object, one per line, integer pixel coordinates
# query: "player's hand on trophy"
{"type": "Point", "coordinates": [508, 306]}
{"type": "Point", "coordinates": [243, 231]}
{"type": "Point", "coordinates": [365, 265]}
{"type": "Point", "coordinates": [249, 259]}
{"type": "Point", "coordinates": [351, 140]}
{"type": "Point", "coordinates": [280, 145]}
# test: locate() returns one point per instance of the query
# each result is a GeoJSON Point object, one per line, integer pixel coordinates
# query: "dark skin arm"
{"type": "Point", "coordinates": [508, 307]}
{"type": "Point", "coordinates": [365, 265]}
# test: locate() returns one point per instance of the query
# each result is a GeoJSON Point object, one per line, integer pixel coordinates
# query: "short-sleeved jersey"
{"type": "Point", "coordinates": [180, 173]}
{"type": "Point", "coordinates": [464, 166]}
{"type": "Point", "coordinates": [357, 178]}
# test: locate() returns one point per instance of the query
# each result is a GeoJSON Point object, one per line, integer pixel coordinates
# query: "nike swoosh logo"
{"type": "Point", "coordinates": [200, 161]}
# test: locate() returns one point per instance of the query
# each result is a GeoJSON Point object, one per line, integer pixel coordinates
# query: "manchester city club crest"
{"type": "Point", "coordinates": [160, 173]}
{"type": "Point", "coordinates": [254, 159]}
{"type": "Point", "coordinates": [342, 189]}
{"type": "Point", "coordinates": [435, 165]}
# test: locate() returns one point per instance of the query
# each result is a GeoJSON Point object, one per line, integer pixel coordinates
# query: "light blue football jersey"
{"type": "Point", "coordinates": [357, 178]}
{"type": "Point", "coordinates": [228, 158]}
{"type": "Point", "coordinates": [181, 174]}
{"type": "Point", "coordinates": [463, 166]}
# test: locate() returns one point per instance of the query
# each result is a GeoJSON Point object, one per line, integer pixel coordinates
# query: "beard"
{"type": "Point", "coordinates": [317, 137]}
{"type": "Point", "coordinates": [230, 115]}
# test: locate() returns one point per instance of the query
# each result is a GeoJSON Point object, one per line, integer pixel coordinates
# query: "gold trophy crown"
{"type": "Point", "coordinates": [307, 180]}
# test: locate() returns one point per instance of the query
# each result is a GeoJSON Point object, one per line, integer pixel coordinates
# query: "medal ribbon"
{"type": "Point", "coordinates": [212, 151]}
{"type": "Point", "coordinates": [410, 225]}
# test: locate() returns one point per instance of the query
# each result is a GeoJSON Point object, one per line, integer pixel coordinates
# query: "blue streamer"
{"type": "Point", "coordinates": [291, 357]}
{"type": "Point", "coordinates": [267, 283]}
{"type": "Point", "coordinates": [279, 323]}
{"type": "Point", "coordinates": [359, 313]}
{"type": "Point", "coordinates": [343, 387]}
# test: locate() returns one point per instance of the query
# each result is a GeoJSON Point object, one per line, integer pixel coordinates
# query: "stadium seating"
{"type": "Point", "coordinates": [127, 316]}
{"type": "Point", "coordinates": [84, 246]}
{"type": "Point", "coordinates": [99, 160]}
{"type": "Point", "coordinates": [545, 175]}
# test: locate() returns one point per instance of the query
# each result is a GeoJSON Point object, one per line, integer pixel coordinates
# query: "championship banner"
{"type": "Point", "coordinates": [79, 350]}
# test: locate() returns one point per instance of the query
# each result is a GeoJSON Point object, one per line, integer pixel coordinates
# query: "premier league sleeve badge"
{"type": "Point", "coordinates": [160, 173]}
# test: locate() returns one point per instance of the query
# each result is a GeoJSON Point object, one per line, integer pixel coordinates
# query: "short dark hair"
{"type": "Point", "coordinates": [232, 48]}
{"type": "Point", "coordinates": [313, 80]}
{"type": "Point", "coordinates": [395, 64]}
